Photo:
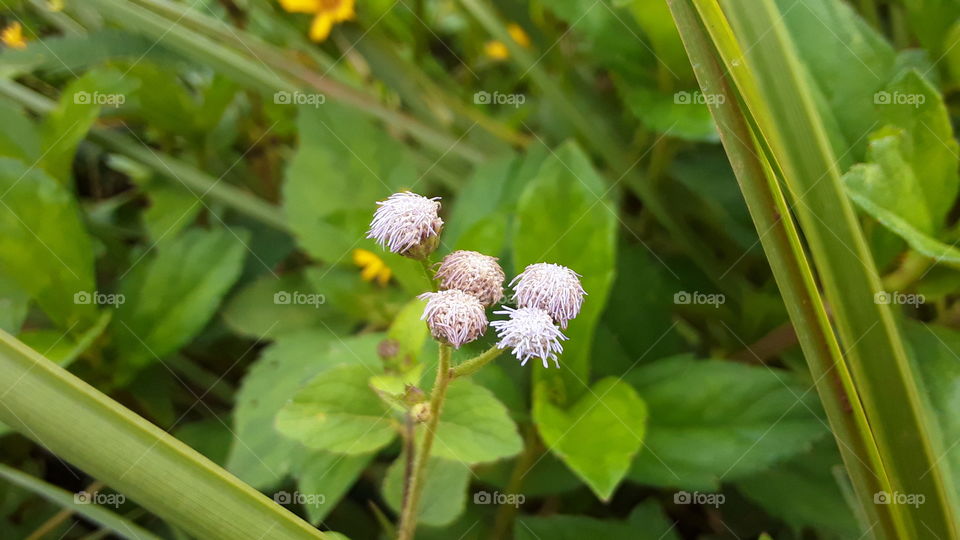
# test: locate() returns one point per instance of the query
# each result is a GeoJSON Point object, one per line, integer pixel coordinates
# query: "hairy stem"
{"type": "Point", "coordinates": [408, 514]}
{"type": "Point", "coordinates": [474, 364]}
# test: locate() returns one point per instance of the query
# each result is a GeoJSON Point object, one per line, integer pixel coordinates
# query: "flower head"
{"type": "Point", "coordinates": [530, 332]}
{"type": "Point", "coordinates": [474, 273]}
{"type": "Point", "coordinates": [553, 288]}
{"type": "Point", "coordinates": [326, 13]}
{"type": "Point", "coordinates": [408, 224]}
{"type": "Point", "coordinates": [12, 36]}
{"type": "Point", "coordinates": [373, 267]}
{"type": "Point", "coordinates": [454, 317]}
{"type": "Point", "coordinates": [497, 50]}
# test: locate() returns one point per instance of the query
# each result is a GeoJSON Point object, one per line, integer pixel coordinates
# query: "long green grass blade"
{"type": "Point", "coordinates": [793, 274]}
{"type": "Point", "coordinates": [85, 427]}
{"type": "Point", "coordinates": [101, 516]}
{"type": "Point", "coordinates": [786, 116]}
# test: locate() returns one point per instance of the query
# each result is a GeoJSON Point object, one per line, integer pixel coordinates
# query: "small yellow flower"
{"type": "Point", "coordinates": [326, 13]}
{"type": "Point", "coordinates": [497, 50]}
{"type": "Point", "coordinates": [12, 36]}
{"type": "Point", "coordinates": [518, 35]}
{"type": "Point", "coordinates": [373, 267]}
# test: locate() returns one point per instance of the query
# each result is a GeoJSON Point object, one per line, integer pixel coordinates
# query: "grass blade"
{"type": "Point", "coordinates": [85, 427]}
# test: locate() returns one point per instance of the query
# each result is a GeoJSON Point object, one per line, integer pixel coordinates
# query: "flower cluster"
{"type": "Point", "coordinates": [547, 296]}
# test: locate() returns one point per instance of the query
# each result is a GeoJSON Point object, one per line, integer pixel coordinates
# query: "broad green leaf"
{"type": "Point", "coordinates": [847, 61]}
{"type": "Point", "coordinates": [170, 296]}
{"type": "Point", "coordinates": [171, 210]}
{"type": "Point", "coordinates": [328, 477]}
{"type": "Point", "coordinates": [409, 331]}
{"type": "Point", "coordinates": [62, 347]}
{"type": "Point", "coordinates": [547, 476]}
{"type": "Point", "coordinates": [936, 354]}
{"type": "Point", "coordinates": [474, 426]}
{"type": "Point", "coordinates": [259, 455]}
{"type": "Point", "coordinates": [44, 246]}
{"type": "Point", "coordinates": [681, 114]}
{"type": "Point", "coordinates": [210, 437]}
{"type": "Point", "coordinates": [712, 420]}
{"type": "Point", "coordinates": [14, 302]}
{"type": "Point", "coordinates": [646, 522]}
{"type": "Point", "coordinates": [343, 165]}
{"type": "Point", "coordinates": [599, 435]}
{"type": "Point", "coordinates": [444, 490]}
{"type": "Point", "coordinates": [564, 217]}
{"type": "Point", "coordinates": [888, 189]}
{"type": "Point", "coordinates": [67, 124]}
{"type": "Point", "coordinates": [265, 308]}
{"type": "Point", "coordinates": [339, 412]}
{"type": "Point", "coordinates": [20, 139]}
{"type": "Point", "coordinates": [804, 492]}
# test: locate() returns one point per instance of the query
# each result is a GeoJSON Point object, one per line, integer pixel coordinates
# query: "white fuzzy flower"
{"type": "Point", "coordinates": [454, 317]}
{"type": "Point", "coordinates": [531, 333]}
{"type": "Point", "coordinates": [553, 288]}
{"type": "Point", "coordinates": [473, 273]}
{"type": "Point", "coordinates": [407, 223]}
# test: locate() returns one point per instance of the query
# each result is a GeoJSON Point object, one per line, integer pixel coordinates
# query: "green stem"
{"type": "Point", "coordinates": [408, 514]}
{"type": "Point", "coordinates": [474, 364]}
{"type": "Point", "coordinates": [911, 269]}
{"type": "Point", "coordinates": [428, 272]}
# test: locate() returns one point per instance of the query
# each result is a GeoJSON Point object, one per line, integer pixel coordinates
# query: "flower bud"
{"type": "Point", "coordinates": [474, 273]}
{"type": "Point", "coordinates": [420, 412]}
{"type": "Point", "coordinates": [531, 333]}
{"type": "Point", "coordinates": [407, 224]}
{"type": "Point", "coordinates": [553, 288]}
{"type": "Point", "coordinates": [454, 317]}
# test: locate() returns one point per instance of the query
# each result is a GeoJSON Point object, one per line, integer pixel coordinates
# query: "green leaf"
{"type": "Point", "coordinates": [888, 190]}
{"type": "Point", "coordinates": [259, 455]}
{"type": "Point", "coordinates": [67, 125]}
{"type": "Point", "coordinates": [339, 412]}
{"type": "Point", "coordinates": [444, 490]}
{"type": "Point", "coordinates": [712, 420]}
{"type": "Point", "coordinates": [258, 312]}
{"type": "Point", "coordinates": [599, 435]}
{"type": "Point", "coordinates": [474, 426]}
{"type": "Point", "coordinates": [564, 217]}
{"type": "Point", "coordinates": [679, 114]}
{"type": "Point", "coordinates": [20, 139]}
{"type": "Point", "coordinates": [44, 246]}
{"type": "Point", "coordinates": [804, 492]}
{"type": "Point", "coordinates": [328, 219]}
{"type": "Point", "coordinates": [168, 299]}
{"type": "Point", "coordinates": [646, 522]}
{"type": "Point", "coordinates": [329, 475]}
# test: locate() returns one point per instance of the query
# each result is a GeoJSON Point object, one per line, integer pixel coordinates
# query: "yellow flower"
{"type": "Point", "coordinates": [326, 13]}
{"type": "Point", "coordinates": [497, 50]}
{"type": "Point", "coordinates": [518, 35]}
{"type": "Point", "coordinates": [373, 267]}
{"type": "Point", "coordinates": [12, 36]}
